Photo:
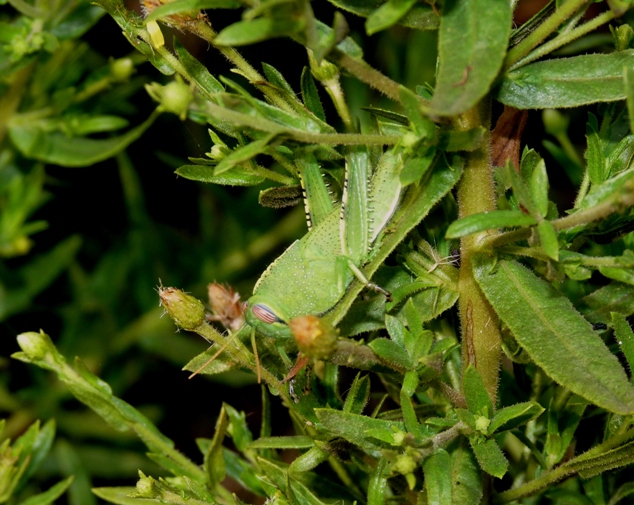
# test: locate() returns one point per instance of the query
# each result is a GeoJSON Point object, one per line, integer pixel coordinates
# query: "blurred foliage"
{"type": "Point", "coordinates": [93, 221]}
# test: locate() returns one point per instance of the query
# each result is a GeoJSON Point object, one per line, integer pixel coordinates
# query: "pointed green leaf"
{"type": "Point", "coordinates": [378, 483]}
{"type": "Point", "coordinates": [475, 393]}
{"type": "Point", "coordinates": [625, 337]}
{"type": "Point", "coordinates": [256, 30]}
{"type": "Point", "coordinates": [296, 442]}
{"type": "Point", "coordinates": [356, 428]}
{"type": "Point", "coordinates": [628, 81]}
{"type": "Point", "coordinates": [615, 297]}
{"type": "Point", "coordinates": [472, 42]}
{"type": "Point", "coordinates": [594, 155]}
{"type": "Point", "coordinates": [358, 394]}
{"type": "Point", "coordinates": [310, 95]}
{"type": "Point", "coordinates": [388, 14]}
{"type": "Point", "coordinates": [539, 186]}
{"type": "Point", "coordinates": [59, 149]}
{"type": "Point", "coordinates": [50, 495]}
{"type": "Point", "coordinates": [511, 417]}
{"type": "Point", "coordinates": [567, 82]}
{"type": "Point", "coordinates": [242, 154]}
{"type": "Point", "coordinates": [180, 6]}
{"type": "Point", "coordinates": [554, 334]}
{"type": "Point", "coordinates": [196, 70]}
{"type": "Point", "coordinates": [119, 495]}
{"type": "Point", "coordinates": [488, 220]}
{"type": "Point", "coordinates": [548, 236]}
{"type": "Point", "coordinates": [214, 460]}
{"type": "Point", "coordinates": [625, 275]}
{"type": "Point", "coordinates": [237, 176]}
{"type": "Point", "coordinates": [438, 478]}
{"type": "Point", "coordinates": [490, 458]}
{"type": "Point", "coordinates": [276, 78]}
{"type": "Point", "coordinates": [391, 353]}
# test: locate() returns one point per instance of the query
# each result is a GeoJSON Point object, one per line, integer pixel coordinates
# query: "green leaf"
{"type": "Point", "coordinates": [615, 297]}
{"type": "Point", "coordinates": [548, 236]}
{"type": "Point", "coordinates": [180, 6]}
{"type": "Point", "coordinates": [387, 15]}
{"type": "Point", "coordinates": [196, 70]}
{"type": "Point", "coordinates": [121, 495]}
{"type": "Point", "coordinates": [416, 167]}
{"type": "Point", "coordinates": [310, 95]}
{"type": "Point", "coordinates": [439, 478]}
{"type": "Point", "coordinates": [567, 82]}
{"type": "Point", "coordinates": [472, 44]}
{"type": "Point", "coordinates": [59, 149]}
{"type": "Point", "coordinates": [628, 81]}
{"type": "Point", "coordinates": [236, 176]}
{"type": "Point", "coordinates": [242, 154]}
{"type": "Point", "coordinates": [625, 275]}
{"type": "Point", "coordinates": [539, 186]}
{"type": "Point", "coordinates": [612, 188]}
{"type": "Point", "coordinates": [490, 458]}
{"type": "Point", "coordinates": [594, 155]}
{"type": "Point", "coordinates": [309, 460]}
{"type": "Point", "coordinates": [296, 442]}
{"type": "Point", "coordinates": [358, 394]}
{"type": "Point", "coordinates": [356, 428]}
{"type": "Point", "coordinates": [554, 334]}
{"type": "Point", "coordinates": [420, 17]}
{"type": "Point", "coordinates": [467, 140]}
{"type": "Point", "coordinates": [475, 393]}
{"type": "Point", "coordinates": [276, 78]}
{"type": "Point", "coordinates": [488, 220]}
{"type": "Point", "coordinates": [625, 337]}
{"type": "Point", "coordinates": [51, 494]}
{"type": "Point", "coordinates": [391, 353]}
{"type": "Point", "coordinates": [377, 488]}
{"type": "Point", "coordinates": [239, 430]}
{"type": "Point", "coordinates": [249, 32]}
{"type": "Point", "coordinates": [214, 460]}
{"type": "Point", "coordinates": [511, 417]}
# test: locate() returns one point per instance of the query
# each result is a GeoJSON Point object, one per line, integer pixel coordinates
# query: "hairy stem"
{"type": "Point", "coordinates": [481, 341]}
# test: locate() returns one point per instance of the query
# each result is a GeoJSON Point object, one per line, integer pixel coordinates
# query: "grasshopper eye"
{"type": "Point", "coordinates": [265, 314]}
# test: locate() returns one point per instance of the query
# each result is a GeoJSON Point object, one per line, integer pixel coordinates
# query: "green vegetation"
{"type": "Point", "coordinates": [458, 333]}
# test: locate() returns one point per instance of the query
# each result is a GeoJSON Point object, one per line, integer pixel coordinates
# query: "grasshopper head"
{"type": "Point", "coordinates": [266, 318]}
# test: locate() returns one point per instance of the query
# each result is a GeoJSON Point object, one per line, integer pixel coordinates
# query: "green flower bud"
{"type": "Point", "coordinates": [314, 337]}
{"type": "Point", "coordinates": [622, 36]}
{"type": "Point", "coordinates": [404, 464]}
{"type": "Point", "coordinates": [482, 423]}
{"type": "Point", "coordinates": [555, 122]}
{"type": "Point", "coordinates": [34, 345]}
{"type": "Point", "coordinates": [175, 97]}
{"type": "Point", "coordinates": [145, 487]}
{"type": "Point", "coordinates": [121, 69]}
{"type": "Point", "coordinates": [324, 70]}
{"type": "Point", "coordinates": [186, 311]}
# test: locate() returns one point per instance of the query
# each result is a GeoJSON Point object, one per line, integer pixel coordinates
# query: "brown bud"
{"type": "Point", "coordinates": [226, 306]}
{"type": "Point", "coordinates": [186, 311]}
{"type": "Point", "coordinates": [314, 337]}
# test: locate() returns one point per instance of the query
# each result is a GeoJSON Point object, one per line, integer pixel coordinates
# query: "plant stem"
{"type": "Point", "coordinates": [242, 354]}
{"type": "Point", "coordinates": [206, 32]}
{"type": "Point", "coordinates": [565, 38]}
{"type": "Point", "coordinates": [622, 200]}
{"type": "Point", "coordinates": [542, 32]}
{"type": "Point", "coordinates": [569, 468]}
{"type": "Point", "coordinates": [365, 73]}
{"type": "Point", "coordinates": [481, 340]}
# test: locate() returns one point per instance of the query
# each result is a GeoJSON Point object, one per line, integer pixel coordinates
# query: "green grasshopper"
{"type": "Point", "coordinates": [314, 273]}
